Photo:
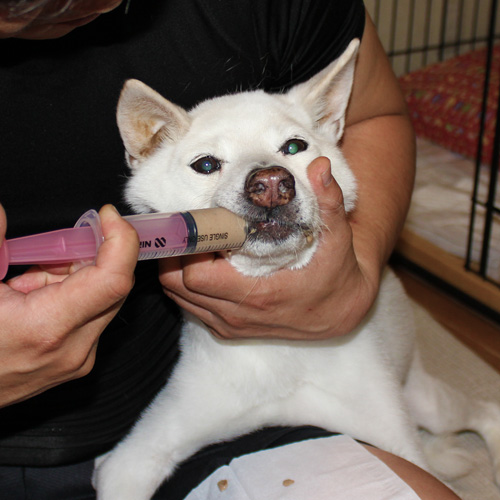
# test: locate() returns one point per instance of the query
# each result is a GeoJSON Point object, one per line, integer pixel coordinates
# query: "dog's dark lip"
{"type": "Point", "coordinates": [273, 229]}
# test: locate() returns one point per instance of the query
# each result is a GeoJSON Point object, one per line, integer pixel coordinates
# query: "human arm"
{"type": "Point", "coordinates": [51, 319]}
{"type": "Point", "coordinates": [331, 295]}
{"type": "Point", "coordinates": [379, 145]}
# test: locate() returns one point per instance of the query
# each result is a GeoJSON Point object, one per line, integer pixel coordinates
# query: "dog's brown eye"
{"type": "Point", "coordinates": [206, 165]}
{"type": "Point", "coordinates": [293, 146]}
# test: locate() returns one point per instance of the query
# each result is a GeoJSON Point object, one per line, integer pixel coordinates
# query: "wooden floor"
{"type": "Point", "coordinates": [481, 334]}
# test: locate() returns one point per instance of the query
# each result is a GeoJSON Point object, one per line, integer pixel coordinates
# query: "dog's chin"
{"type": "Point", "coordinates": [271, 247]}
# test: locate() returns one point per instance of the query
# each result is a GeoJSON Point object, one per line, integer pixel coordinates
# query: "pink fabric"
{"type": "Point", "coordinates": [445, 99]}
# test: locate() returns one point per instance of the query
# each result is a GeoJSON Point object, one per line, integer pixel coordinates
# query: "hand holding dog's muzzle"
{"type": "Point", "coordinates": [327, 298]}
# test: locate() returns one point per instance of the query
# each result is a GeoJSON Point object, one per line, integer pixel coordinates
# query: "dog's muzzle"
{"type": "Point", "coordinates": [273, 217]}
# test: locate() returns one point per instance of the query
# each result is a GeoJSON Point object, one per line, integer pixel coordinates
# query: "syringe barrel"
{"type": "Point", "coordinates": [161, 235]}
{"type": "Point", "coordinates": [196, 231]}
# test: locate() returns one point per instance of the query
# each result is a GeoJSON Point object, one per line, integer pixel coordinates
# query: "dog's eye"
{"type": "Point", "coordinates": [293, 146]}
{"type": "Point", "coordinates": [206, 165]}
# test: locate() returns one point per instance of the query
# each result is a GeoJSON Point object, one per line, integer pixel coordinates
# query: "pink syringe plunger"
{"type": "Point", "coordinates": [160, 235]}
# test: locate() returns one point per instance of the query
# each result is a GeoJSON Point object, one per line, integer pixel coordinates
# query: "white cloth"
{"type": "Point", "coordinates": [318, 469]}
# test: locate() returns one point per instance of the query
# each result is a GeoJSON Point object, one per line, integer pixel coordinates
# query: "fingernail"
{"type": "Point", "coordinates": [327, 177]}
{"type": "Point", "coordinates": [111, 208]}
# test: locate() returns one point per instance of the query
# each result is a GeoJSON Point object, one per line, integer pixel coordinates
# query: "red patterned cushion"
{"type": "Point", "coordinates": [445, 102]}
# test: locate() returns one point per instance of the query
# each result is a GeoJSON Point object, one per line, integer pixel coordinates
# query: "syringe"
{"type": "Point", "coordinates": [160, 235]}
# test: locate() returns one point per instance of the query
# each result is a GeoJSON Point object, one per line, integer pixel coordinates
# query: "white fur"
{"type": "Point", "coordinates": [358, 384]}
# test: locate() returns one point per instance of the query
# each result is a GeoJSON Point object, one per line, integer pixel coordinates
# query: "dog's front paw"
{"type": "Point", "coordinates": [120, 476]}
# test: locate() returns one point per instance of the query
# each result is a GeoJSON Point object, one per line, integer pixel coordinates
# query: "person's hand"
{"type": "Point", "coordinates": [328, 297]}
{"type": "Point", "coordinates": [47, 19]}
{"type": "Point", "coordinates": [51, 318]}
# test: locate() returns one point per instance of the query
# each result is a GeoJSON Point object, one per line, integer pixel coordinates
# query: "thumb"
{"type": "Point", "coordinates": [328, 192]}
{"type": "Point", "coordinates": [336, 235]}
{"type": "Point", "coordinates": [336, 239]}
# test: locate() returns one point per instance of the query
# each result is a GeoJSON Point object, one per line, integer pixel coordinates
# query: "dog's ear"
{"type": "Point", "coordinates": [146, 120]}
{"type": "Point", "coordinates": [327, 94]}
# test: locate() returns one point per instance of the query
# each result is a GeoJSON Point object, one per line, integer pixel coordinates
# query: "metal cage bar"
{"type": "Point", "coordinates": [445, 39]}
{"type": "Point", "coordinates": [460, 27]}
{"type": "Point", "coordinates": [489, 205]}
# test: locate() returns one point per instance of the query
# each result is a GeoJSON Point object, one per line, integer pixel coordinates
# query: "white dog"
{"type": "Point", "coordinates": [248, 153]}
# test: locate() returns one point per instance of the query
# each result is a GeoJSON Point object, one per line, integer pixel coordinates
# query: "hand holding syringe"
{"type": "Point", "coordinates": [160, 235]}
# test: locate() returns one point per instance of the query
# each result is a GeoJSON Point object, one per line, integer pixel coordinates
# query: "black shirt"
{"type": "Point", "coordinates": [61, 154]}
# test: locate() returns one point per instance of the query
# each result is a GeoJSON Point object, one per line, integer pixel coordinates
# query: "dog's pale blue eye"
{"type": "Point", "coordinates": [293, 146]}
{"type": "Point", "coordinates": [206, 165]}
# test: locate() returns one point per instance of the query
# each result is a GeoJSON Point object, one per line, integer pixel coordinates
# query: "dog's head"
{"type": "Point", "coordinates": [246, 152]}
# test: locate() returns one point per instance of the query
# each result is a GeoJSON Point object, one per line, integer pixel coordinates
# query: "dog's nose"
{"type": "Point", "coordinates": [270, 187]}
